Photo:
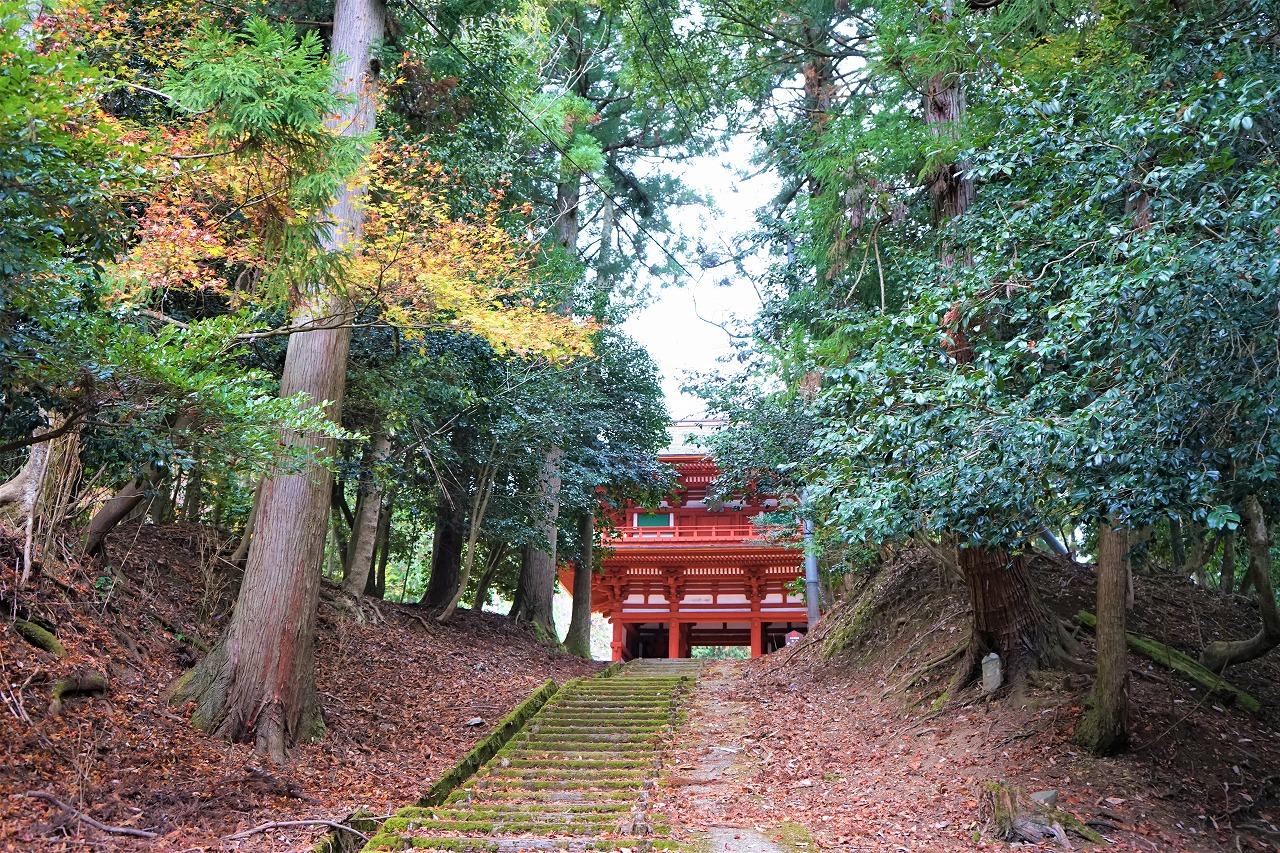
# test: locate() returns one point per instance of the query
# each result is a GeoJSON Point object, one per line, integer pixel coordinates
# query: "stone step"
{"type": "Point", "coordinates": [478, 797]}
{"type": "Point", "coordinates": [469, 843]}
{"type": "Point", "coordinates": [514, 825]}
{"type": "Point", "coordinates": [497, 810]}
{"type": "Point", "coordinates": [560, 785]}
{"type": "Point", "coordinates": [567, 735]}
{"type": "Point", "coordinates": [567, 747]}
{"type": "Point", "coordinates": [586, 763]}
{"type": "Point", "coordinates": [584, 778]}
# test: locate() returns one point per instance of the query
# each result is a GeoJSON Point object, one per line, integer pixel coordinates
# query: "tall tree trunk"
{"type": "Point", "coordinates": [376, 586]}
{"type": "Point", "coordinates": [577, 641]}
{"type": "Point", "coordinates": [497, 553]}
{"type": "Point", "coordinates": [538, 569]}
{"type": "Point", "coordinates": [1227, 574]}
{"type": "Point", "coordinates": [1104, 730]}
{"type": "Point", "coordinates": [1218, 656]}
{"type": "Point", "coordinates": [1177, 546]}
{"type": "Point", "coordinates": [446, 556]}
{"type": "Point", "coordinates": [1008, 618]}
{"type": "Point", "coordinates": [27, 487]}
{"type": "Point", "coordinates": [364, 530]}
{"type": "Point", "coordinates": [258, 683]}
{"type": "Point", "coordinates": [250, 525]}
{"type": "Point", "coordinates": [193, 495]}
{"type": "Point", "coordinates": [479, 506]}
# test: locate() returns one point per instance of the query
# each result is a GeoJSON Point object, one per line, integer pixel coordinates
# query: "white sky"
{"type": "Point", "coordinates": [670, 327]}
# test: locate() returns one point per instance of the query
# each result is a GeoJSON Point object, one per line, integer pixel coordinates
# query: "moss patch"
{"type": "Point", "coordinates": [489, 746]}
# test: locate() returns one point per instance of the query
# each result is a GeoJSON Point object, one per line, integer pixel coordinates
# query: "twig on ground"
{"type": "Point", "coordinates": [278, 824]}
{"type": "Point", "coordinates": [84, 818]}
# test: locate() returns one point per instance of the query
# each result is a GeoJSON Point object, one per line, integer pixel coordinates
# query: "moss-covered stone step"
{"type": "Point", "coordinates": [567, 735]}
{"type": "Point", "coordinates": [572, 715]}
{"type": "Point", "coordinates": [561, 784]}
{"type": "Point", "coordinates": [515, 824]}
{"type": "Point", "coordinates": [465, 844]}
{"type": "Point", "coordinates": [575, 777]}
{"type": "Point", "coordinates": [585, 763]}
{"type": "Point", "coordinates": [555, 726]}
{"type": "Point", "coordinates": [493, 811]}
{"type": "Point", "coordinates": [579, 778]}
{"type": "Point", "coordinates": [595, 707]}
{"type": "Point", "coordinates": [552, 750]}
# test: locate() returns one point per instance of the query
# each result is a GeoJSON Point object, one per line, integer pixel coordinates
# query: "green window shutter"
{"type": "Point", "coordinates": [653, 519]}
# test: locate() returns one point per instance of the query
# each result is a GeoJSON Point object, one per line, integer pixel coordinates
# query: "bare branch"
{"type": "Point", "coordinates": [84, 818]}
{"type": "Point", "coordinates": [278, 824]}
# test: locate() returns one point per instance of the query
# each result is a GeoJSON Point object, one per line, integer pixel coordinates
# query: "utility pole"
{"type": "Point", "coordinates": [812, 590]}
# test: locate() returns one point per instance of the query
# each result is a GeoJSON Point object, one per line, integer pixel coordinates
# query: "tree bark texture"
{"type": "Point", "coordinates": [446, 556]}
{"type": "Point", "coordinates": [117, 509]}
{"type": "Point", "coordinates": [492, 562]}
{"type": "Point", "coordinates": [479, 506]}
{"type": "Point", "coordinates": [1008, 617]}
{"type": "Point", "coordinates": [250, 525]}
{"type": "Point", "coordinates": [1220, 655]}
{"type": "Point", "coordinates": [1177, 545]}
{"type": "Point", "coordinates": [258, 682]}
{"type": "Point", "coordinates": [1104, 728]}
{"type": "Point", "coordinates": [577, 641]}
{"type": "Point", "coordinates": [376, 585]}
{"type": "Point", "coordinates": [26, 489]}
{"type": "Point", "coordinates": [364, 529]}
{"type": "Point", "coordinates": [538, 570]}
{"type": "Point", "coordinates": [1227, 574]}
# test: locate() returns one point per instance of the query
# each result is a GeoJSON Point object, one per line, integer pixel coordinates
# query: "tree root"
{"type": "Point", "coordinates": [1182, 663]}
{"type": "Point", "coordinates": [80, 684]}
{"type": "Point", "coordinates": [84, 818]}
{"type": "Point", "coordinates": [41, 638]}
{"type": "Point", "coordinates": [1013, 816]}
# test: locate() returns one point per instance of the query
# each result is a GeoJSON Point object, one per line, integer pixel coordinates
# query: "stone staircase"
{"type": "Point", "coordinates": [577, 777]}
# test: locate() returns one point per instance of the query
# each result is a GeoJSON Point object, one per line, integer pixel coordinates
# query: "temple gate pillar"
{"type": "Point", "coordinates": [675, 591]}
{"type": "Point", "coordinates": [756, 591]}
{"type": "Point", "coordinates": [618, 634]}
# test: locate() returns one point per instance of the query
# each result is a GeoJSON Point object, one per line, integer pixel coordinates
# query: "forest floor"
{"type": "Point", "coordinates": [853, 750]}
{"type": "Point", "coordinates": [399, 692]}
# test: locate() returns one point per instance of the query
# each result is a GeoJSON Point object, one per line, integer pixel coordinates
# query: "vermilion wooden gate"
{"type": "Point", "coordinates": [694, 572]}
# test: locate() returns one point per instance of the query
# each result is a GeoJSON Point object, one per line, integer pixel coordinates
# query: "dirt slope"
{"type": "Point", "coordinates": [398, 693]}
{"type": "Point", "coordinates": [854, 750]}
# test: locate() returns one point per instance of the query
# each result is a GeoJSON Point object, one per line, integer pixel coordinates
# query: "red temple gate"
{"type": "Point", "coordinates": [694, 572]}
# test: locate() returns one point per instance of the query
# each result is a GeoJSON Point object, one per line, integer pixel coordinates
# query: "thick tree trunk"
{"type": "Point", "coordinates": [364, 530]}
{"type": "Point", "coordinates": [376, 586]}
{"type": "Point", "coordinates": [538, 569]}
{"type": "Point", "coordinates": [1218, 656]}
{"type": "Point", "coordinates": [258, 682]}
{"type": "Point", "coordinates": [950, 190]}
{"type": "Point", "coordinates": [1104, 728]}
{"type": "Point", "coordinates": [1008, 618]}
{"type": "Point", "coordinates": [577, 641]}
{"type": "Point", "coordinates": [116, 510]}
{"type": "Point", "coordinates": [446, 556]}
{"type": "Point", "coordinates": [26, 489]}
